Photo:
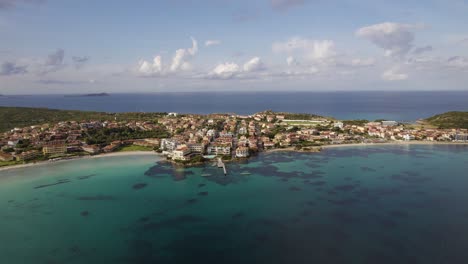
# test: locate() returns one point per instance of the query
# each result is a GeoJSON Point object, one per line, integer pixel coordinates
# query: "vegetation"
{"type": "Point", "coordinates": [301, 116]}
{"type": "Point", "coordinates": [11, 117]}
{"type": "Point", "coordinates": [134, 148]}
{"type": "Point", "coordinates": [359, 122]}
{"type": "Point", "coordinates": [449, 120]}
{"type": "Point", "coordinates": [107, 135]}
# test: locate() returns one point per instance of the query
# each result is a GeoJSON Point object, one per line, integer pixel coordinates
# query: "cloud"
{"type": "Point", "coordinates": [458, 62]}
{"type": "Point", "coordinates": [231, 70]}
{"type": "Point", "coordinates": [396, 39]}
{"type": "Point", "coordinates": [60, 82]}
{"type": "Point", "coordinates": [151, 69]}
{"type": "Point", "coordinates": [362, 62]}
{"type": "Point", "coordinates": [393, 74]}
{"type": "Point", "coordinates": [79, 61]}
{"type": "Point", "coordinates": [11, 68]}
{"type": "Point", "coordinates": [213, 42]}
{"type": "Point", "coordinates": [180, 62]}
{"type": "Point", "coordinates": [255, 64]}
{"type": "Point", "coordinates": [421, 50]}
{"type": "Point", "coordinates": [182, 55]}
{"type": "Point", "coordinates": [7, 4]}
{"type": "Point", "coordinates": [291, 61]}
{"type": "Point", "coordinates": [285, 4]}
{"type": "Point", "coordinates": [311, 49]}
{"type": "Point", "coordinates": [55, 58]}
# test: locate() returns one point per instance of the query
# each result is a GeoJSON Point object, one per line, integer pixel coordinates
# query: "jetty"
{"type": "Point", "coordinates": [222, 165]}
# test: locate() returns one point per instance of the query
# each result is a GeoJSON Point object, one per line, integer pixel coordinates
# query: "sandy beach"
{"type": "Point", "coordinates": [115, 154]}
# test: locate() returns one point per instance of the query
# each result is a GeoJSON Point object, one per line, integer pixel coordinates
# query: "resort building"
{"type": "Point", "coordinates": [197, 148]}
{"type": "Point", "coordinates": [242, 152]}
{"type": "Point", "coordinates": [461, 137]}
{"type": "Point", "coordinates": [219, 149]}
{"type": "Point", "coordinates": [57, 147]}
{"type": "Point", "coordinates": [389, 123]}
{"type": "Point", "coordinates": [181, 153]}
{"type": "Point", "coordinates": [92, 149]}
{"type": "Point", "coordinates": [168, 144]}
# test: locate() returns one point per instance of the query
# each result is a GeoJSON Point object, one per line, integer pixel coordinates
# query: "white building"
{"type": "Point", "coordinates": [181, 153]}
{"type": "Point", "coordinates": [408, 137]}
{"type": "Point", "coordinates": [242, 152]}
{"type": "Point", "coordinates": [168, 144]}
{"type": "Point", "coordinates": [215, 149]}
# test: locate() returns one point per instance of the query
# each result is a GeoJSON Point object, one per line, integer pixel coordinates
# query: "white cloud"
{"type": "Point", "coordinates": [458, 62]}
{"type": "Point", "coordinates": [182, 55]}
{"type": "Point", "coordinates": [151, 69]}
{"type": "Point", "coordinates": [225, 70]}
{"type": "Point", "coordinates": [180, 62]}
{"type": "Point", "coordinates": [311, 49]}
{"type": "Point", "coordinates": [396, 39]}
{"type": "Point", "coordinates": [393, 74]}
{"type": "Point", "coordinates": [231, 70]}
{"type": "Point", "coordinates": [212, 42]}
{"type": "Point", "coordinates": [255, 64]}
{"type": "Point", "coordinates": [291, 61]}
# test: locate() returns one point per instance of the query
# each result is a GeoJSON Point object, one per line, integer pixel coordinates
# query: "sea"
{"type": "Point", "coordinates": [407, 106]}
{"type": "Point", "coordinates": [361, 204]}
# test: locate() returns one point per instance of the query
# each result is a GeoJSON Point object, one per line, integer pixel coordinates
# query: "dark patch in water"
{"type": "Point", "coordinates": [52, 184]}
{"type": "Point", "coordinates": [11, 201]}
{"type": "Point", "coordinates": [345, 202]}
{"type": "Point", "coordinates": [192, 201]}
{"type": "Point", "coordinates": [345, 188]}
{"type": "Point", "coordinates": [203, 193]}
{"type": "Point", "coordinates": [201, 185]}
{"type": "Point", "coordinates": [294, 188]}
{"type": "Point", "coordinates": [84, 213]}
{"type": "Point", "coordinates": [410, 177]}
{"type": "Point", "coordinates": [75, 249]}
{"type": "Point", "coordinates": [310, 203]}
{"type": "Point", "coordinates": [237, 215]}
{"type": "Point", "coordinates": [84, 177]}
{"type": "Point", "coordinates": [144, 219]}
{"type": "Point", "coordinates": [367, 169]}
{"type": "Point", "coordinates": [343, 216]}
{"type": "Point", "coordinates": [318, 183]}
{"type": "Point", "coordinates": [96, 198]}
{"type": "Point", "coordinates": [399, 213]}
{"type": "Point", "coordinates": [139, 186]}
{"type": "Point", "coordinates": [173, 222]}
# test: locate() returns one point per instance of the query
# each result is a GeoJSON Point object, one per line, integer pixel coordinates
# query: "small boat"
{"type": "Point", "coordinates": [206, 175]}
{"type": "Point", "coordinates": [245, 173]}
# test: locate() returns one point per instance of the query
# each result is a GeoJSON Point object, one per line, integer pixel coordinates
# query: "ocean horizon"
{"type": "Point", "coordinates": [407, 106]}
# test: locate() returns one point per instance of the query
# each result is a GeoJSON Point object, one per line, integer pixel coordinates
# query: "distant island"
{"type": "Point", "coordinates": [36, 134]}
{"type": "Point", "coordinates": [88, 95]}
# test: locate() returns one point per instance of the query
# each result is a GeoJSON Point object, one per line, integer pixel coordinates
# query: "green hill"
{"type": "Point", "coordinates": [449, 120]}
{"type": "Point", "coordinates": [11, 117]}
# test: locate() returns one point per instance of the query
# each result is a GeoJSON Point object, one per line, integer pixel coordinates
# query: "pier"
{"type": "Point", "coordinates": [221, 165]}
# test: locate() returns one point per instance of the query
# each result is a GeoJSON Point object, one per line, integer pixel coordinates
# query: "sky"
{"type": "Point", "coordinates": [86, 46]}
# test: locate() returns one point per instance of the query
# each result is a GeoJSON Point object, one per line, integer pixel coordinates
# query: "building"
{"type": "Point", "coordinates": [461, 137]}
{"type": "Point", "coordinates": [219, 149]}
{"type": "Point", "coordinates": [181, 153]}
{"type": "Point", "coordinates": [112, 147]}
{"type": "Point", "coordinates": [92, 149]}
{"type": "Point", "coordinates": [5, 156]}
{"type": "Point", "coordinates": [338, 125]}
{"type": "Point", "coordinates": [197, 148]}
{"type": "Point", "coordinates": [389, 123]}
{"type": "Point", "coordinates": [28, 155]}
{"type": "Point", "coordinates": [408, 137]}
{"type": "Point", "coordinates": [242, 152]}
{"type": "Point", "coordinates": [57, 147]}
{"type": "Point", "coordinates": [168, 144]}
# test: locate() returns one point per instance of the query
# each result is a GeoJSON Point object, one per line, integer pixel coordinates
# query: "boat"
{"type": "Point", "coordinates": [245, 173]}
{"type": "Point", "coordinates": [206, 174]}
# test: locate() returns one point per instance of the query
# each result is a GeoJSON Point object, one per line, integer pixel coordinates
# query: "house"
{"type": "Point", "coordinates": [219, 149]}
{"type": "Point", "coordinates": [408, 137]}
{"type": "Point", "coordinates": [92, 149]}
{"type": "Point", "coordinates": [242, 152]}
{"type": "Point", "coordinates": [197, 148]}
{"type": "Point", "coordinates": [389, 123]}
{"type": "Point", "coordinates": [27, 155]}
{"type": "Point", "coordinates": [5, 156]}
{"type": "Point", "coordinates": [168, 144]}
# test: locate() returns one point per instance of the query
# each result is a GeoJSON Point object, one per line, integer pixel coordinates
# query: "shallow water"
{"type": "Point", "coordinates": [387, 204]}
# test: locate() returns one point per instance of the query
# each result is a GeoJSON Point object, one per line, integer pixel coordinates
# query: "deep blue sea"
{"type": "Point", "coordinates": [400, 106]}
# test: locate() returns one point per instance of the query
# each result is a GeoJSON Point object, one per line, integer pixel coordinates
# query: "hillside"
{"type": "Point", "coordinates": [11, 117]}
{"type": "Point", "coordinates": [449, 120]}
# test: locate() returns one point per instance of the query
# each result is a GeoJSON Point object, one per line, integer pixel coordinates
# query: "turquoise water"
{"type": "Point", "coordinates": [387, 204]}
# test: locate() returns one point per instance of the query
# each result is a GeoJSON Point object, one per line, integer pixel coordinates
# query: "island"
{"type": "Point", "coordinates": [31, 135]}
{"type": "Point", "coordinates": [88, 95]}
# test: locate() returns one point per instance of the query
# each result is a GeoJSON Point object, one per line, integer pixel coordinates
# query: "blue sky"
{"type": "Point", "coordinates": [52, 46]}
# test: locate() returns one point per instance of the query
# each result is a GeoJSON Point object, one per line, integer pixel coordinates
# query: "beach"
{"type": "Point", "coordinates": [113, 154]}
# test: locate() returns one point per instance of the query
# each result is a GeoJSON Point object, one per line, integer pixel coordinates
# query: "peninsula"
{"type": "Point", "coordinates": [30, 134]}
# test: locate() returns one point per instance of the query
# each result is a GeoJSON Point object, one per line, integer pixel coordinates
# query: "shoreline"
{"type": "Point", "coordinates": [314, 149]}
{"type": "Point", "coordinates": [103, 155]}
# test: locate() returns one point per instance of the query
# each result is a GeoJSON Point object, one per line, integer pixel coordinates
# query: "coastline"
{"type": "Point", "coordinates": [288, 149]}
{"type": "Point", "coordinates": [103, 155]}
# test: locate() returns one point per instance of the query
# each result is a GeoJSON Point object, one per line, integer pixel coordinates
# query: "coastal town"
{"type": "Point", "coordinates": [191, 138]}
